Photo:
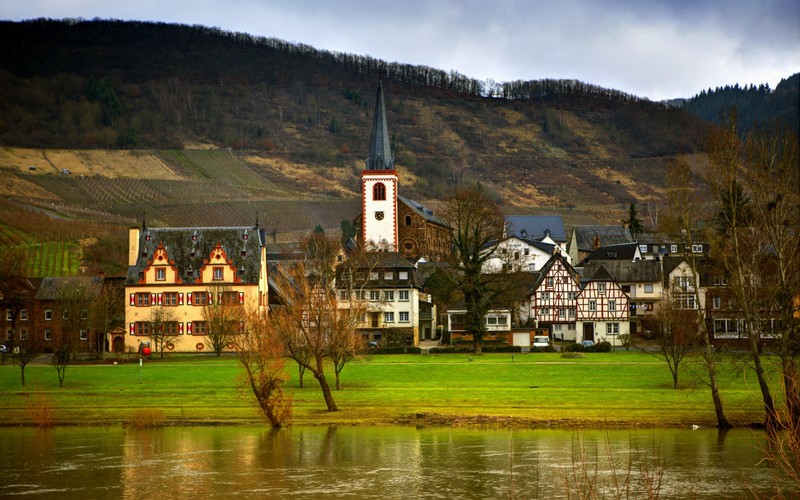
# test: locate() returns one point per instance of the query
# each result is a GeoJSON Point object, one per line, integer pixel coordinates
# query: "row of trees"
{"type": "Point", "coordinates": [750, 192]}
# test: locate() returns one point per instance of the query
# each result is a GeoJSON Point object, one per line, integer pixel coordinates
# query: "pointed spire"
{"type": "Point", "coordinates": [144, 221]}
{"type": "Point", "coordinates": [380, 152]}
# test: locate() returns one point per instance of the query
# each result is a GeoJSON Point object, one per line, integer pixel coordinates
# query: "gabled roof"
{"type": "Point", "coordinates": [190, 247]}
{"type": "Point", "coordinates": [380, 152]}
{"type": "Point", "coordinates": [539, 245]}
{"type": "Point", "coordinates": [420, 210]}
{"type": "Point", "coordinates": [624, 251]}
{"type": "Point", "coordinates": [601, 274]}
{"type": "Point", "coordinates": [626, 271]}
{"type": "Point", "coordinates": [545, 270]}
{"type": "Point", "coordinates": [606, 235]}
{"type": "Point", "coordinates": [536, 227]}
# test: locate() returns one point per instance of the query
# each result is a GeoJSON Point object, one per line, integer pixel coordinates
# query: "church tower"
{"type": "Point", "coordinates": [379, 186]}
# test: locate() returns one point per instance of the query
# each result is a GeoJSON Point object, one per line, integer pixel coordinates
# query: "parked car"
{"type": "Point", "coordinates": [587, 343]}
{"type": "Point", "coordinates": [3, 349]}
{"type": "Point", "coordinates": [541, 341]}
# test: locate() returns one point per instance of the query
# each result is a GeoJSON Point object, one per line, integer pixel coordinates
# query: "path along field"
{"type": "Point", "coordinates": [530, 390]}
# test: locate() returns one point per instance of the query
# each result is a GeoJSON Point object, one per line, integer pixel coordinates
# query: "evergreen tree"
{"type": "Point", "coordinates": [633, 221]}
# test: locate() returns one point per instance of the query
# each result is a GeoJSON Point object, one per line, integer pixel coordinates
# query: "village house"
{"type": "Point", "coordinates": [553, 298]}
{"type": "Point", "coordinates": [175, 274]}
{"type": "Point", "coordinates": [603, 312]}
{"type": "Point", "coordinates": [585, 239]}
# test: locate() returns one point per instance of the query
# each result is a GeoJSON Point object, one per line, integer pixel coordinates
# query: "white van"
{"type": "Point", "coordinates": [541, 341]}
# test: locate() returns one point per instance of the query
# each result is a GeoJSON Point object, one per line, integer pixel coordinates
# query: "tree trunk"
{"type": "Point", "coordinates": [792, 390]}
{"type": "Point", "coordinates": [722, 422]}
{"type": "Point", "coordinates": [770, 417]}
{"type": "Point", "coordinates": [319, 374]}
{"type": "Point", "coordinates": [301, 372]}
{"type": "Point", "coordinates": [22, 369]}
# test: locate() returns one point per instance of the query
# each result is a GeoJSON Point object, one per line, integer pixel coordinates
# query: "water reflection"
{"type": "Point", "coordinates": [393, 462]}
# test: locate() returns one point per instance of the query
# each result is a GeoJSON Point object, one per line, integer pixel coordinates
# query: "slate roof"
{"type": "Point", "coordinates": [624, 251]}
{"type": "Point", "coordinates": [189, 247]}
{"type": "Point", "coordinates": [625, 271]}
{"type": "Point", "coordinates": [420, 209]}
{"type": "Point", "coordinates": [380, 152]}
{"type": "Point", "coordinates": [536, 226]}
{"type": "Point", "coordinates": [608, 235]}
{"type": "Point", "coordinates": [50, 288]}
{"type": "Point", "coordinates": [546, 269]}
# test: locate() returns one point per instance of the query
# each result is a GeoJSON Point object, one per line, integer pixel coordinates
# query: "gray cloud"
{"type": "Point", "coordinates": [653, 48]}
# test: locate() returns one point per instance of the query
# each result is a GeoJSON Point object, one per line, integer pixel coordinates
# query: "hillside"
{"type": "Point", "coordinates": [195, 126]}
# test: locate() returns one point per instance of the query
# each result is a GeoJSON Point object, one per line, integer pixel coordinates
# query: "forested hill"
{"type": "Point", "coordinates": [755, 105]}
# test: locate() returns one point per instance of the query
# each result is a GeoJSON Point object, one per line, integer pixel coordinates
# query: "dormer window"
{"type": "Point", "coordinates": [194, 236]}
{"type": "Point", "coordinates": [379, 192]}
{"type": "Point", "coordinates": [217, 274]}
{"type": "Point", "coordinates": [161, 274]}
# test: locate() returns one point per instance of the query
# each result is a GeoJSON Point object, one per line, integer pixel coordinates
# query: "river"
{"type": "Point", "coordinates": [381, 462]}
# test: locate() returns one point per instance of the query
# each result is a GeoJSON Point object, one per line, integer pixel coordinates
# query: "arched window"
{"type": "Point", "coordinates": [408, 220]}
{"type": "Point", "coordinates": [379, 191]}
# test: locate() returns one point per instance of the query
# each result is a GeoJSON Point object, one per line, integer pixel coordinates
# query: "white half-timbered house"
{"type": "Point", "coordinates": [603, 312]}
{"type": "Point", "coordinates": [553, 298]}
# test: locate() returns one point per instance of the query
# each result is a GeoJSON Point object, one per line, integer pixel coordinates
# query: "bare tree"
{"type": "Point", "coordinates": [224, 319]}
{"type": "Point", "coordinates": [261, 354]}
{"type": "Point", "coordinates": [685, 203]}
{"type": "Point", "coordinates": [478, 228]}
{"type": "Point", "coordinates": [163, 327]}
{"type": "Point", "coordinates": [75, 297]}
{"type": "Point", "coordinates": [310, 322]}
{"type": "Point", "coordinates": [675, 331]}
{"type": "Point", "coordinates": [16, 295]}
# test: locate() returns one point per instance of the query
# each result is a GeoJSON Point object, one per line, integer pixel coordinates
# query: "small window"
{"type": "Point", "coordinates": [388, 275]}
{"type": "Point", "coordinates": [142, 299]}
{"type": "Point", "coordinates": [592, 305]}
{"type": "Point", "coordinates": [170, 299]}
{"type": "Point", "coordinates": [48, 334]}
{"type": "Point", "coordinates": [648, 288]}
{"type": "Point", "coordinates": [643, 248]}
{"type": "Point", "coordinates": [673, 249]}
{"type": "Point", "coordinates": [143, 328]}
{"type": "Point", "coordinates": [374, 295]}
{"type": "Point", "coordinates": [408, 220]}
{"type": "Point", "coordinates": [545, 311]}
{"type": "Point", "coordinates": [343, 295]}
{"type": "Point", "coordinates": [161, 274]}
{"type": "Point", "coordinates": [601, 288]}
{"type": "Point", "coordinates": [23, 315]}
{"type": "Point", "coordinates": [403, 295]}
{"type": "Point", "coordinates": [403, 316]}
{"type": "Point", "coordinates": [717, 302]}
{"type": "Point", "coordinates": [388, 295]}
{"type": "Point", "coordinates": [562, 313]}
{"type": "Point", "coordinates": [200, 298]}
{"type": "Point", "coordinates": [230, 298]}
{"type": "Point", "coordinates": [548, 282]}
{"type": "Point", "coordinates": [23, 334]}
{"type": "Point", "coordinates": [388, 317]}
{"type": "Point", "coordinates": [84, 334]}
{"type": "Point", "coordinates": [199, 328]}
{"type": "Point", "coordinates": [379, 192]}
{"type": "Point", "coordinates": [65, 314]}
{"type": "Point", "coordinates": [612, 305]}
{"type": "Point", "coordinates": [373, 275]}
{"type": "Point", "coordinates": [217, 274]}
{"type": "Point", "coordinates": [612, 328]}
{"type": "Point", "coordinates": [403, 275]}
{"type": "Point", "coordinates": [571, 312]}
{"type": "Point", "coordinates": [9, 315]}
{"type": "Point", "coordinates": [697, 248]}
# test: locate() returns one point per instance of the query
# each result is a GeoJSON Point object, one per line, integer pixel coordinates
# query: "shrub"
{"type": "Point", "coordinates": [548, 348]}
{"type": "Point", "coordinates": [395, 350]}
{"type": "Point", "coordinates": [572, 355]}
{"type": "Point", "coordinates": [503, 348]}
{"type": "Point", "coordinates": [575, 347]}
{"type": "Point", "coordinates": [451, 350]}
{"type": "Point", "coordinates": [602, 347]}
{"type": "Point", "coordinates": [146, 419]}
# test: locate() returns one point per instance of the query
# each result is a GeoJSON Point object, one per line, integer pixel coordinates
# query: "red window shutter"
{"type": "Point", "coordinates": [189, 328]}
{"type": "Point", "coordinates": [210, 298]}
{"type": "Point", "coordinates": [241, 297]}
{"type": "Point", "coordinates": [189, 298]}
{"type": "Point", "coordinates": [133, 299]}
{"type": "Point", "coordinates": [160, 299]}
{"type": "Point", "coordinates": [133, 328]}
{"type": "Point", "coordinates": [153, 298]}
{"type": "Point", "coordinates": [180, 328]}
{"type": "Point", "coordinates": [180, 299]}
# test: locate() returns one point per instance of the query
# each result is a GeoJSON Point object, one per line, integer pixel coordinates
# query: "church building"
{"type": "Point", "coordinates": [388, 221]}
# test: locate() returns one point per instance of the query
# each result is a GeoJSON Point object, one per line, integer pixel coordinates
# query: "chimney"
{"type": "Point", "coordinates": [596, 242]}
{"type": "Point", "coordinates": [133, 245]}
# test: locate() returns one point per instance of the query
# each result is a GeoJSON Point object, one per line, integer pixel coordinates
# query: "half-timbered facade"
{"type": "Point", "coordinates": [176, 275]}
{"type": "Point", "coordinates": [553, 298]}
{"type": "Point", "coordinates": [603, 312]}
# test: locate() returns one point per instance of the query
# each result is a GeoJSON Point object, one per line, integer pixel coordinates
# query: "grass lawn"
{"type": "Point", "coordinates": [619, 388]}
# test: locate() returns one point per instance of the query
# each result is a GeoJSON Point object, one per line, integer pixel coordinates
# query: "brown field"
{"type": "Point", "coordinates": [106, 163]}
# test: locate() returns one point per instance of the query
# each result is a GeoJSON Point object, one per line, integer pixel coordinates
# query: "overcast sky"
{"type": "Point", "coordinates": [658, 49]}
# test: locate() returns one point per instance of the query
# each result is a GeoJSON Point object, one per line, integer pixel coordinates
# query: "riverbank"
{"type": "Point", "coordinates": [537, 390]}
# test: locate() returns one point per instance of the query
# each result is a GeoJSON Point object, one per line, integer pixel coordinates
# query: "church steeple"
{"type": "Point", "coordinates": [380, 151]}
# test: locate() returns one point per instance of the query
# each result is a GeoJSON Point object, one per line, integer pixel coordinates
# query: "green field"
{"type": "Point", "coordinates": [616, 389]}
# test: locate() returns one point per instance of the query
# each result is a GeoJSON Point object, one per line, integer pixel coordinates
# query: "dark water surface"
{"type": "Point", "coordinates": [381, 462]}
